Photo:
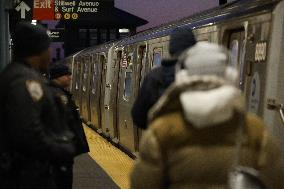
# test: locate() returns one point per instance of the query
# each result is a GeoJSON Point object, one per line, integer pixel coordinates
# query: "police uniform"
{"type": "Point", "coordinates": [33, 128]}
{"type": "Point", "coordinates": [69, 113]}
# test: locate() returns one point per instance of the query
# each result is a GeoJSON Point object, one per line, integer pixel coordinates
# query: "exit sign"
{"type": "Point", "coordinates": [43, 9]}
{"type": "Point", "coordinates": [60, 9]}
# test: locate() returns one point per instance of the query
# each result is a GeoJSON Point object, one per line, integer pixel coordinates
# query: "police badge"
{"type": "Point", "coordinates": [35, 89]}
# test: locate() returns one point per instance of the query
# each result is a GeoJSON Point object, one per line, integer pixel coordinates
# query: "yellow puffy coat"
{"type": "Point", "coordinates": [175, 154]}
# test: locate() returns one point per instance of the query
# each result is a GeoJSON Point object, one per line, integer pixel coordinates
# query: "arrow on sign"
{"type": "Point", "coordinates": [23, 7]}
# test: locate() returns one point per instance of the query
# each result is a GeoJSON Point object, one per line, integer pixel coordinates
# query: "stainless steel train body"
{"type": "Point", "coordinates": [106, 78]}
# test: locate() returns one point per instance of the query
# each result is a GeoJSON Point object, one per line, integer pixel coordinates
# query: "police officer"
{"type": "Point", "coordinates": [33, 136]}
{"type": "Point", "coordinates": [60, 77]}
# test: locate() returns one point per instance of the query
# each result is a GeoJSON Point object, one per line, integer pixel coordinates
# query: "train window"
{"type": "Point", "coordinates": [234, 47]}
{"type": "Point", "coordinates": [94, 78]}
{"type": "Point", "coordinates": [85, 74]}
{"type": "Point", "coordinates": [77, 75]}
{"type": "Point", "coordinates": [157, 57]}
{"type": "Point", "coordinates": [130, 61]}
{"type": "Point", "coordinates": [142, 58]}
{"type": "Point", "coordinates": [242, 64]}
{"type": "Point", "coordinates": [128, 77]}
{"type": "Point", "coordinates": [127, 85]}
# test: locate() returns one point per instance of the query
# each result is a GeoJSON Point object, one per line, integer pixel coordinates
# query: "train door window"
{"type": "Point", "coordinates": [85, 73]}
{"type": "Point", "coordinates": [130, 61]}
{"type": "Point", "coordinates": [127, 85]}
{"type": "Point", "coordinates": [157, 57]}
{"type": "Point", "coordinates": [128, 78]}
{"type": "Point", "coordinates": [77, 75]}
{"type": "Point", "coordinates": [234, 48]}
{"type": "Point", "coordinates": [142, 62]}
{"type": "Point", "coordinates": [94, 78]}
{"type": "Point", "coordinates": [236, 40]}
{"type": "Point", "coordinates": [236, 45]}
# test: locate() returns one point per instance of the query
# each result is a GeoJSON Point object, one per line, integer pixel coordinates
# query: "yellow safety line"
{"type": "Point", "coordinates": [116, 163]}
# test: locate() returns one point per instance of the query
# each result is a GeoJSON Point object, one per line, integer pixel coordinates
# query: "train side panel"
{"type": "Point", "coordinates": [275, 75]}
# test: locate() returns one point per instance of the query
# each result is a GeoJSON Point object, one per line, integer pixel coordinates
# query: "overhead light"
{"type": "Point", "coordinates": [123, 30]}
{"type": "Point", "coordinates": [34, 22]}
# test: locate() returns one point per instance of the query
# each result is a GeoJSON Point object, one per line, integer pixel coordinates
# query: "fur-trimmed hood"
{"type": "Point", "coordinates": [204, 100]}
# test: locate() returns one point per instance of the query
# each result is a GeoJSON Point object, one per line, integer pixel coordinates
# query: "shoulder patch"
{"type": "Point", "coordinates": [35, 89]}
{"type": "Point", "coordinates": [64, 99]}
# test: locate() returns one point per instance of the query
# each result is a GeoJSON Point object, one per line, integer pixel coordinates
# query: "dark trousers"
{"type": "Point", "coordinates": [64, 176]}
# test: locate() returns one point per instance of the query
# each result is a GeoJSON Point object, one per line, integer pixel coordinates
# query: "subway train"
{"type": "Point", "coordinates": [106, 78]}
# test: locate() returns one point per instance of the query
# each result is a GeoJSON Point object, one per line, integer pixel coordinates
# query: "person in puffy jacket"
{"type": "Point", "coordinates": [196, 126]}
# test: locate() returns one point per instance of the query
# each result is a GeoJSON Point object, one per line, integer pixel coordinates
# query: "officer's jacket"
{"type": "Point", "coordinates": [192, 136]}
{"type": "Point", "coordinates": [69, 112]}
{"type": "Point", "coordinates": [32, 125]}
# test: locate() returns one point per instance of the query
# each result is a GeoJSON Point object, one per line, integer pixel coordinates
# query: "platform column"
{"type": "Point", "coordinates": [5, 5]}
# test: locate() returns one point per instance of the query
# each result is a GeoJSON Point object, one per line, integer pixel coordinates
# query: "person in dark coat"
{"type": "Point", "coordinates": [33, 135]}
{"type": "Point", "coordinates": [60, 77]}
{"type": "Point", "coordinates": [158, 80]}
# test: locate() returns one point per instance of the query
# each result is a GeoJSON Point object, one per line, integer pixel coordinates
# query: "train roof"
{"type": "Point", "coordinates": [234, 9]}
{"type": "Point", "coordinates": [227, 11]}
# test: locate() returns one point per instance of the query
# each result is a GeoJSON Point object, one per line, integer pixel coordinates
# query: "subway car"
{"type": "Point", "coordinates": [107, 78]}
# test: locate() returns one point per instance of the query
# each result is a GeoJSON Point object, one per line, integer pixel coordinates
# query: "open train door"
{"type": "Point", "coordinates": [248, 42]}
{"type": "Point", "coordinates": [140, 74]}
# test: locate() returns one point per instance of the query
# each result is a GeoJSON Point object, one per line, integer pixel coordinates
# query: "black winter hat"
{"type": "Point", "coordinates": [181, 39]}
{"type": "Point", "coordinates": [29, 40]}
{"type": "Point", "coordinates": [58, 70]}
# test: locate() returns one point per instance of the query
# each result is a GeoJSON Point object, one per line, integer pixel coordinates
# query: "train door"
{"type": "Point", "coordinates": [140, 73]}
{"type": "Point", "coordinates": [77, 81]}
{"type": "Point", "coordinates": [95, 92]}
{"type": "Point", "coordinates": [248, 54]}
{"type": "Point", "coordinates": [125, 100]}
{"type": "Point", "coordinates": [85, 87]}
{"type": "Point", "coordinates": [114, 93]}
{"type": "Point", "coordinates": [103, 63]}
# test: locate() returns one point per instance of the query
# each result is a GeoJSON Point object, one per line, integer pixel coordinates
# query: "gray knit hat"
{"type": "Point", "coordinates": [206, 58]}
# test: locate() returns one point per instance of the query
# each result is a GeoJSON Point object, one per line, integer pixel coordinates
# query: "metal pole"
{"type": "Point", "coordinates": [4, 33]}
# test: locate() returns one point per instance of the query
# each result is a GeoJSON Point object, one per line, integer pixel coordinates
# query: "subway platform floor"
{"type": "Point", "coordinates": [104, 167]}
